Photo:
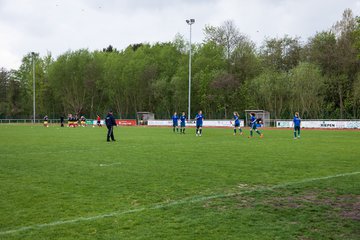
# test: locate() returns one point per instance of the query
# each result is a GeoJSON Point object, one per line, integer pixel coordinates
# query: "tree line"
{"type": "Point", "coordinates": [319, 78]}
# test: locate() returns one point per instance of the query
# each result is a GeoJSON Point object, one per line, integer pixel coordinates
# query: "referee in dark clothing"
{"type": "Point", "coordinates": [110, 123]}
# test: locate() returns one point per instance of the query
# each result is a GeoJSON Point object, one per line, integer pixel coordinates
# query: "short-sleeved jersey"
{"type": "Point", "coordinates": [199, 119]}
{"type": "Point", "coordinates": [236, 120]}
{"type": "Point", "coordinates": [296, 121]}
{"type": "Point", "coordinates": [253, 120]}
{"type": "Point", "coordinates": [175, 118]}
{"type": "Point", "coordinates": [182, 119]}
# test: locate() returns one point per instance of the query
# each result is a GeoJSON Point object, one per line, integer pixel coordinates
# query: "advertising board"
{"type": "Point", "coordinates": [331, 124]}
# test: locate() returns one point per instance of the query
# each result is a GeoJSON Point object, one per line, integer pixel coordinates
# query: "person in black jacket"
{"type": "Point", "coordinates": [62, 121]}
{"type": "Point", "coordinates": [110, 123]}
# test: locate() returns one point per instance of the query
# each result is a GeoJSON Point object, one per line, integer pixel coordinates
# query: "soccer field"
{"type": "Point", "coordinates": [69, 183]}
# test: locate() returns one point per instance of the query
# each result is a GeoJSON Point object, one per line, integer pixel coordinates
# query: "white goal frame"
{"type": "Point", "coordinates": [264, 115]}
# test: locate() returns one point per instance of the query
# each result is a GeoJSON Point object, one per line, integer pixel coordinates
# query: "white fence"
{"type": "Point", "coordinates": [207, 123]}
{"type": "Point", "coordinates": [325, 124]}
{"type": "Point", "coordinates": [278, 123]}
{"type": "Point", "coordinates": [28, 120]}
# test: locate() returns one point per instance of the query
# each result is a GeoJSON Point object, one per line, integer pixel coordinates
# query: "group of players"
{"type": "Point", "coordinates": [73, 121]}
{"type": "Point", "coordinates": [253, 124]}
{"type": "Point", "coordinates": [199, 118]}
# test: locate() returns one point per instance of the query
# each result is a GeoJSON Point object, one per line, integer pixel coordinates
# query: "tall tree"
{"type": "Point", "coordinates": [4, 88]}
{"type": "Point", "coordinates": [307, 84]}
{"type": "Point", "coordinates": [281, 54]}
{"type": "Point", "coordinates": [227, 35]}
{"type": "Point", "coordinates": [71, 75]}
{"type": "Point", "coordinates": [208, 64]}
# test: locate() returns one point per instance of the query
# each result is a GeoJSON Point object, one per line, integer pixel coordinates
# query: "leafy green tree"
{"type": "Point", "coordinates": [270, 91]}
{"type": "Point", "coordinates": [208, 64]}
{"type": "Point", "coordinates": [307, 84]}
{"type": "Point", "coordinates": [335, 52]}
{"type": "Point", "coordinates": [4, 88]}
{"type": "Point", "coordinates": [24, 76]}
{"type": "Point", "coordinates": [356, 97]}
{"type": "Point", "coordinates": [227, 36]}
{"type": "Point", "coordinates": [356, 35]}
{"type": "Point", "coordinates": [281, 54]}
{"type": "Point", "coordinates": [71, 76]}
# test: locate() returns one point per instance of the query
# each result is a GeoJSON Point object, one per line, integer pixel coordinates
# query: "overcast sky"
{"type": "Point", "coordinates": [59, 25]}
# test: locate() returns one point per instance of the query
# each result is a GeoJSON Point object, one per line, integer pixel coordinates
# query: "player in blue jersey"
{"type": "Point", "coordinates": [297, 124]}
{"type": "Point", "coordinates": [175, 119]}
{"type": "Point", "coordinates": [199, 123]}
{"type": "Point", "coordinates": [237, 123]}
{"type": "Point", "coordinates": [253, 125]}
{"type": "Point", "coordinates": [182, 123]}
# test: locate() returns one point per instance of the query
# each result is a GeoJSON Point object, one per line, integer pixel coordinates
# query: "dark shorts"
{"type": "Point", "coordinates": [198, 125]}
{"type": "Point", "coordinates": [182, 124]}
{"type": "Point", "coordinates": [254, 126]}
{"type": "Point", "coordinates": [237, 124]}
{"type": "Point", "coordinates": [175, 124]}
{"type": "Point", "coordinates": [98, 122]}
{"type": "Point", "coordinates": [296, 128]}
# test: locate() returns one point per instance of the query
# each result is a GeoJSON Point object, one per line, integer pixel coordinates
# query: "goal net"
{"type": "Point", "coordinates": [264, 115]}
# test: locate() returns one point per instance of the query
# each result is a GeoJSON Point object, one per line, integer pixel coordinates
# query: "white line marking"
{"type": "Point", "coordinates": [109, 164]}
{"type": "Point", "coordinates": [194, 199]}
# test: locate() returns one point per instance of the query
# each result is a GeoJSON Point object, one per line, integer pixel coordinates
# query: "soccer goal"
{"type": "Point", "coordinates": [144, 117]}
{"type": "Point", "coordinates": [264, 115]}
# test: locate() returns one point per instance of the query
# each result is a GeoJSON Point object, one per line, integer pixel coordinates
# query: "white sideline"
{"type": "Point", "coordinates": [194, 199]}
{"type": "Point", "coordinates": [109, 164]}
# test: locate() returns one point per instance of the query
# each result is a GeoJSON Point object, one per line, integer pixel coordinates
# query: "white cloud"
{"type": "Point", "coordinates": [60, 25]}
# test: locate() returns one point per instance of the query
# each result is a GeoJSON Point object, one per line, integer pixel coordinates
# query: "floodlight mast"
{"type": "Point", "coordinates": [33, 63]}
{"type": "Point", "coordinates": [190, 22]}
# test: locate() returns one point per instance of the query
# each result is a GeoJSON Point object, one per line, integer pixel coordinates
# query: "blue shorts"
{"type": "Point", "coordinates": [237, 124]}
{"type": "Point", "coordinates": [175, 124]}
{"type": "Point", "coordinates": [182, 124]}
{"type": "Point", "coordinates": [198, 125]}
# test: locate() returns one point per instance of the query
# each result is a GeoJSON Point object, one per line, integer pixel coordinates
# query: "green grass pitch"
{"type": "Point", "coordinates": [65, 183]}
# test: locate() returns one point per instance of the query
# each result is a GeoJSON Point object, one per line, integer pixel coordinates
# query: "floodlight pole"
{"type": "Point", "coordinates": [33, 63]}
{"type": "Point", "coordinates": [190, 22]}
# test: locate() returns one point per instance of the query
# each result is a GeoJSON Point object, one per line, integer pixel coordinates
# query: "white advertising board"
{"type": "Point", "coordinates": [102, 122]}
{"type": "Point", "coordinates": [320, 124]}
{"type": "Point", "coordinates": [207, 123]}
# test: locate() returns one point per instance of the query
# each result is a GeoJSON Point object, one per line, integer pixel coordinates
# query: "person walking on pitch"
{"type": "Point", "coordinates": [110, 123]}
{"type": "Point", "coordinates": [297, 124]}
{"type": "Point", "coordinates": [199, 123]}
{"type": "Point", "coordinates": [253, 125]}
{"type": "Point", "coordinates": [237, 123]}
{"type": "Point", "coordinates": [98, 120]}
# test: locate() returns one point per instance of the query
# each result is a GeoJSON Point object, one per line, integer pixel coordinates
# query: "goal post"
{"type": "Point", "coordinates": [143, 117]}
{"type": "Point", "coordinates": [264, 115]}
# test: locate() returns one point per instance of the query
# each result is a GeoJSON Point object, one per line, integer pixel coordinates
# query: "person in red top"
{"type": "Point", "coordinates": [99, 121]}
